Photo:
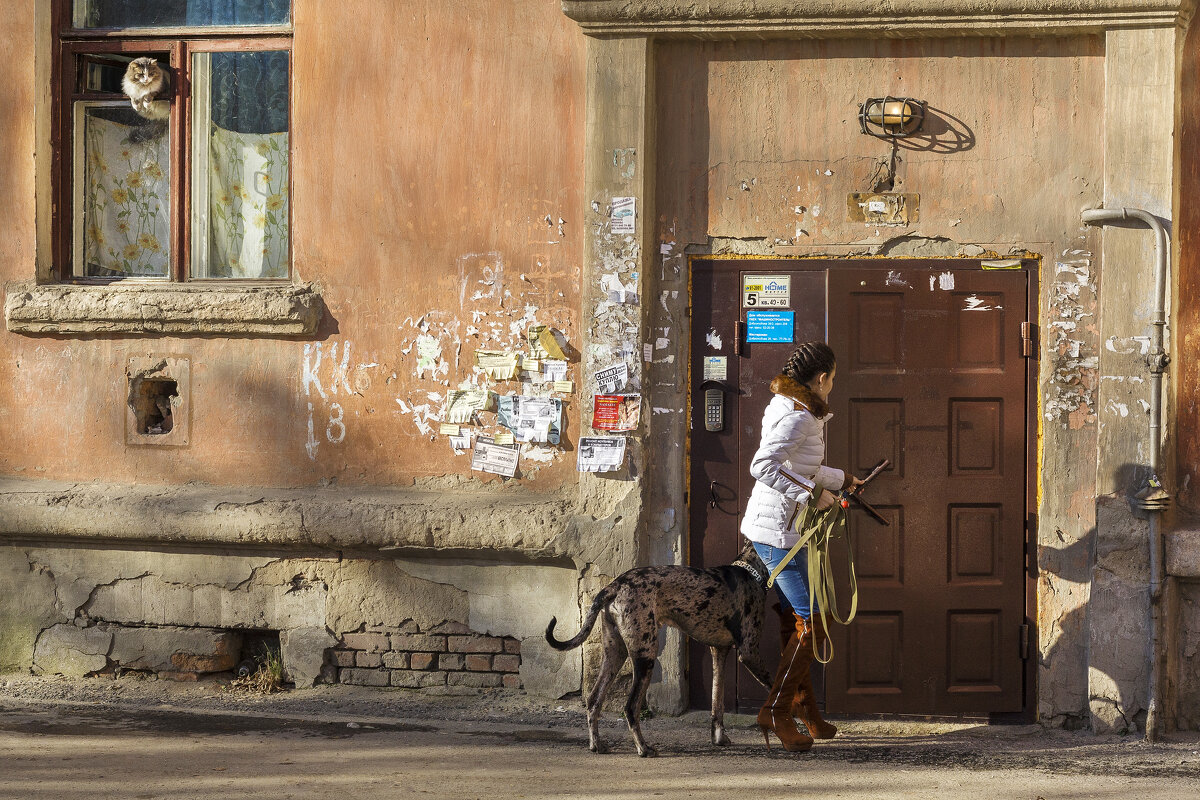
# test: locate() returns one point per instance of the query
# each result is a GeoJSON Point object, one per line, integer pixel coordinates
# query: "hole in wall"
{"type": "Point", "coordinates": [152, 402]}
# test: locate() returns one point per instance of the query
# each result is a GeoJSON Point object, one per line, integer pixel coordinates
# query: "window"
{"type": "Point", "coordinates": [194, 185]}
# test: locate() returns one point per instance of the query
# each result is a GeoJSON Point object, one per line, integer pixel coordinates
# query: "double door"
{"type": "Point", "coordinates": [933, 374]}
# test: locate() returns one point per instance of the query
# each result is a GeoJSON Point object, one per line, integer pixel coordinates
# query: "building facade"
{"type": "Point", "coordinates": [265, 429]}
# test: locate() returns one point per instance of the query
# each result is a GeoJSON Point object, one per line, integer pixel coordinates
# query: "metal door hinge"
{"type": "Point", "coordinates": [1024, 642]}
{"type": "Point", "coordinates": [1028, 339]}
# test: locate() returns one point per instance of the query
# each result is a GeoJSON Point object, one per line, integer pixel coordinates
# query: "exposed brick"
{"type": "Point", "coordinates": [450, 661]}
{"type": "Point", "coordinates": [363, 677]}
{"type": "Point", "coordinates": [449, 626]}
{"type": "Point", "coordinates": [419, 642]}
{"type": "Point", "coordinates": [512, 645]}
{"type": "Point", "coordinates": [369, 659]}
{"type": "Point", "coordinates": [474, 644]}
{"type": "Point", "coordinates": [374, 642]}
{"type": "Point", "coordinates": [343, 658]}
{"type": "Point", "coordinates": [512, 681]}
{"type": "Point", "coordinates": [421, 661]}
{"type": "Point", "coordinates": [506, 663]}
{"type": "Point", "coordinates": [408, 679]}
{"type": "Point", "coordinates": [478, 680]}
{"type": "Point", "coordinates": [396, 660]}
{"type": "Point", "coordinates": [479, 663]}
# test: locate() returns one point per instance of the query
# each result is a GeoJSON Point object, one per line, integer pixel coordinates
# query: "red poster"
{"type": "Point", "coordinates": [616, 412]}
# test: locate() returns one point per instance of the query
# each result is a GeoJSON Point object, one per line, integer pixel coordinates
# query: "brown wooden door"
{"type": "Point", "coordinates": [934, 380]}
{"type": "Point", "coordinates": [931, 376]}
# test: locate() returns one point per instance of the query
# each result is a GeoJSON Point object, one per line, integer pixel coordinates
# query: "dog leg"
{"type": "Point", "coordinates": [719, 655]}
{"type": "Point", "coordinates": [643, 668]}
{"type": "Point", "coordinates": [614, 657]}
{"type": "Point", "coordinates": [751, 659]}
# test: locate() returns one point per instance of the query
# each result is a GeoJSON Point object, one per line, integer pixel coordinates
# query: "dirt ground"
{"type": "Point", "coordinates": [140, 738]}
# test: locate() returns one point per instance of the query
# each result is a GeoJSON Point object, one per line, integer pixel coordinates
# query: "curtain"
{"type": "Point", "coordinates": [126, 217]}
{"type": "Point", "coordinates": [248, 204]}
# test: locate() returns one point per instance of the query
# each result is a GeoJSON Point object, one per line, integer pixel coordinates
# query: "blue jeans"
{"type": "Point", "coordinates": [792, 582]}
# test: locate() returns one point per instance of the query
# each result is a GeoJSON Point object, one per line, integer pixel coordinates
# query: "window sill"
{"type": "Point", "coordinates": [285, 310]}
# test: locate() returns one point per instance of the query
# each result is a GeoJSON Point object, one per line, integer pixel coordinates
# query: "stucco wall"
{"type": "Point", "coordinates": [431, 142]}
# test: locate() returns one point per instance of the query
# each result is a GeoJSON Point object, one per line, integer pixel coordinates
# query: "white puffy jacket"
{"type": "Point", "coordinates": [787, 466]}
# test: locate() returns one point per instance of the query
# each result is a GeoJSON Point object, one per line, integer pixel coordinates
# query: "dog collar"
{"type": "Point", "coordinates": [757, 575]}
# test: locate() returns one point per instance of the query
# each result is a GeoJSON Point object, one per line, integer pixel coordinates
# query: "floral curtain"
{"type": "Point", "coordinates": [248, 204]}
{"type": "Point", "coordinates": [125, 200]}
{"type": "Point", "coordinates": [126, 203]}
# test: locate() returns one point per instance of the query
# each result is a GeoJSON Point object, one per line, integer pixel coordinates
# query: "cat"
{"type": "Point", "coordinates": [148, 87]}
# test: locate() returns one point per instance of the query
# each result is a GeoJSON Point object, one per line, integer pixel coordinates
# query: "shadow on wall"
{"type": "Point", "coordinates": [1101, 642]}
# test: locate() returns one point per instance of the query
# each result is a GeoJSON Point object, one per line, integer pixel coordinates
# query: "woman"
{"type": "Point", "coordinates": [788, 473]}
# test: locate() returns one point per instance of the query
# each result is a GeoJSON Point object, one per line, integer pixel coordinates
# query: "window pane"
{"type": "Point", "coordinates": [178, 13]}
{"type": "Point", "coordinates": [240, 165]}
{"type": "Point", "coordinates": [122, 193]}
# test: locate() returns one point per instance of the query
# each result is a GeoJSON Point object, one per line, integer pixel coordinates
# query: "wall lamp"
{"type": "Point", "coordinates": [891, 117]}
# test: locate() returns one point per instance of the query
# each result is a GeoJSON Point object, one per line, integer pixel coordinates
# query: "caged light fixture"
{"type": "Point", "coordinates": [891, 117]}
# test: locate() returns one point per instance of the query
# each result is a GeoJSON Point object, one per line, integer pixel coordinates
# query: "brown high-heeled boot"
{"type": "Point", "coordinates": [776, 714]}
{"type": "Point", "coordinates": [804, 705]}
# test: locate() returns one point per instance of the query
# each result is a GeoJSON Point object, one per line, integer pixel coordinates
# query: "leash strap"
{"type": "Point", "coordinates": [816, 530]}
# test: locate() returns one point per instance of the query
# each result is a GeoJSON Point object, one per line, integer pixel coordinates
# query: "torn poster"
{"type": "Point", "coordinates": [531, 419]}
{"type": "Point", "coordinates": [461, 442]}
{"type": "Point", "coordinates": [543, 343]}
{"type": "Point", "coordinates": [612, 379]}
{"type": "Point", "coordinates": [616, 412]}
{"type": "Point", "coordinates": [503, 438]}
{"type": "Point", "coordinates": [600, 453]}
{"type": "Point", "coordinates": [497, 364]}
{"type": "Point", "coordinates": [619, 292]}
{"type": "Point", "coordinates": [623, 214]}
{"type": "Point", "coordinates": [554, 369]}
{"type": "Point", "coordinates": [461, 404]}
{"type": "Point", "coordinates": [495, 458]}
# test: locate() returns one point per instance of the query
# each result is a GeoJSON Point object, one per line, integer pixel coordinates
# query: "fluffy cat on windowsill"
{"type": "Point", "coordinates": [148, 87]}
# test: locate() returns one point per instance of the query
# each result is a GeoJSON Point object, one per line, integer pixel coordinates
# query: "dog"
{"type": "Point", "coordinates": [721, 607]}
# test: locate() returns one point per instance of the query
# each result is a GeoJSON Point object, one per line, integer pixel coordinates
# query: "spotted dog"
{"type": "Point", "coordinates": [721, 607]}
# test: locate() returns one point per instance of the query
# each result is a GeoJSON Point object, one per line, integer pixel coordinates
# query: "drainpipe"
{"type": "Point", "coordinates": [1154, 500]}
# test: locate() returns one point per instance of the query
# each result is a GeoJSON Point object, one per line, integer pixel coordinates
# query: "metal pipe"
{"type": "Point", "coordinates": [1157, 361]}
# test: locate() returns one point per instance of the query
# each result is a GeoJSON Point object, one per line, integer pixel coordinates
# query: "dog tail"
{"type": "Point", "coordinates": [602, 600]}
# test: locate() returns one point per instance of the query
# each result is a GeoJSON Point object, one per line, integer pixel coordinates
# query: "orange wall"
{"type": "Point", "coordinates": [430, 142]}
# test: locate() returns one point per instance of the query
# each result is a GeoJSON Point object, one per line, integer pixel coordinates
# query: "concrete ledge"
{"type": "Point", "coordinates": [364, 518]}
{"type": "Point", "coordinates": [1183, 552]}
{"type": "Point", "coordinates": [285, 310]}
{"type": "Point", "coordinates": [870, 18]}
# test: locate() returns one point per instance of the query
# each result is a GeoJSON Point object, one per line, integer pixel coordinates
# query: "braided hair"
{"type": "Point", "coordinates": [808, 361]}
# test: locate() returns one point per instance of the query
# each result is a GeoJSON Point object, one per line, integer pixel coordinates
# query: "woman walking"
{"type": "Point", "coordinates": [789, 473]}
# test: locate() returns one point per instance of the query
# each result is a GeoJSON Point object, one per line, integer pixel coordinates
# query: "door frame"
{"type": "Point", "coordinates": [1031, 266]}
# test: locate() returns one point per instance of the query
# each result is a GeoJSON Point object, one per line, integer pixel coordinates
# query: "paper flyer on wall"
{"type": "Point", "coordinates": [619, 292]}
{"type": "Point", "coordinates": [543, 343]}
{"type": "Point", "coordinates": [554, 369]}
{"type": "Point", "coordinates": [497, 364]}
{"type": "Point", "coordinates": [612, 379]}
{"type": "Point", "coordinates": [623, 218]}
{"type": "Point", "coordinates": [531, 419]}
{"type": "Point", "coordinates": [616, 412]}
{"type": "Point", "coordinates": [495, 458]}
{"type": "Point", "coordinates": [461, 441]}
{"type": "Point", "coordinates": [461, 404]}
{"type": "Point", "coordinates": [600, 453]}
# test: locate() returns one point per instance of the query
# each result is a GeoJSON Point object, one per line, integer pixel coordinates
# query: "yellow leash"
{"type": "Point", "coordinates": [817, 529]}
